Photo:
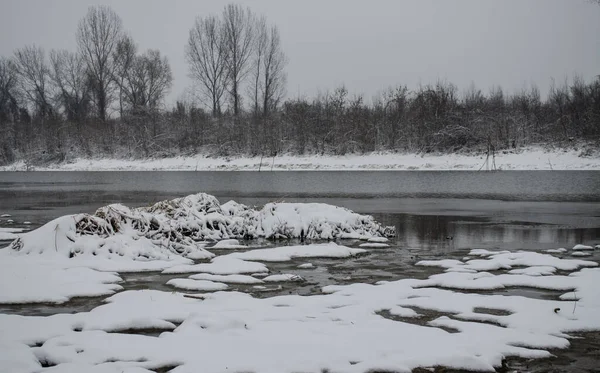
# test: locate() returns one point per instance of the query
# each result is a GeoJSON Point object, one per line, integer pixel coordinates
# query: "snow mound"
{"type": "Point", "coordinates": [229, 244]}
{"type": "Point", "coordinates": [582, 247]}
{"type": "Point", "coordinates": [175, 227]}
{"type": "Point", "coordinates": [374, 245]}
{"type": "Point", "coordinates": [556, 251]}
{"type": "Point", "coordinates": [198, 285]}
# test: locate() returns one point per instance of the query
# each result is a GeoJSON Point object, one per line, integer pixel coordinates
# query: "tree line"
{"type": "Point", "coordinates": [107, 99]}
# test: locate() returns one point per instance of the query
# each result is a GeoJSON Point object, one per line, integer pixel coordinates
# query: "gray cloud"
{"type": "Point", "coordinates": [366, 45]}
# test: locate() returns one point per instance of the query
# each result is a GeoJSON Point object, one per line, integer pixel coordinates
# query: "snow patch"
{"type": "Point", "coordinates": [199, 285]}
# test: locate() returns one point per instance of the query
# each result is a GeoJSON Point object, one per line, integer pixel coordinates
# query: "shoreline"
{"type": "Point", "coordinates": [531, 158]}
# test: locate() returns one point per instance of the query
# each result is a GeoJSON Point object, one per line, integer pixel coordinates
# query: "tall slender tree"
{"type": "Point", "coordinates": [239, 37]}
{"type": "Point", "coordinates": [69, 74]}
{"type": "Point", "coordinates": [206, 55]}
{"type": "Point", "coordinates": [274, 77]}
{"type": "Point", "coordinates": [8, 89]}
{"type": "Point", "coordinates": [34, 79]}
{"type": "Point", "coordinates": [98, 35]}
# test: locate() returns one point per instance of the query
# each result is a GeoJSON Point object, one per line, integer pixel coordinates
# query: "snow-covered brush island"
{"type": "Point", "coordinates": [211, 321]}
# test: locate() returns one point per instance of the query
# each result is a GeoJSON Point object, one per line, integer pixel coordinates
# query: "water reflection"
{"type": "Point", "coordinates": [448, 233]}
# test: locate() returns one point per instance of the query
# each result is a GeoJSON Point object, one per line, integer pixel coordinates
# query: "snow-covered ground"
{"type": "Point", "coordinates": [209, 320]}
{"type": "Point", "coordinates": [350, 328]}
{"type": "Point", "coordinates": [532, 158]}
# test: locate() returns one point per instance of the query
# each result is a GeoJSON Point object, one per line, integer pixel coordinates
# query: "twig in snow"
{"type": "Point", "coordinates": [55, 233]}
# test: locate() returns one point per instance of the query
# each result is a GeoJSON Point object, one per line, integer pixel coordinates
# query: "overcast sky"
{"type": "Point", "coordinates": [366, 45]}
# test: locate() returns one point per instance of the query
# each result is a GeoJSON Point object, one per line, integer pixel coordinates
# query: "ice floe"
{"type": "Point", "coordinates": [228, 279]}
{"type": "Point", "coordinates": [233, 331]}
{"type": "Point", "coordinates": [374, 245]}
{"type": "Point", "coordinates": [200, 285]}
{"type": "Point", "coordinates": [582, 247]}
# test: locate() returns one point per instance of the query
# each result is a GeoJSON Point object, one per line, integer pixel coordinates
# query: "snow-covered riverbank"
{"type": "Point", "coordinates": [533, 158]}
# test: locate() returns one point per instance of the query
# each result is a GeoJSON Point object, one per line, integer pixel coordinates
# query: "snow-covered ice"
{"type": "Point", "coordinates": [199, 285]}
{"type": "Point", "coordinates": [581, 253]}
{"type": "Point", "coordinates": [556, 251]}
{"type": "Point", "coordinates": [346, 328]}
{"type": "Point", "coordinates": [232, 331]}
{"type": "Point", "coordinates": [228, 244]}
{"type": "Point", "coordinates": [283, 278]}
{"type": "Point", "coordinates": [582, 247]}
{"type": "Point", "coordinates": [248, 262]}
{"type": "Point", "coordinates": [228, 279]}
{"type": "Point", "coordinates": [9, 233]}
{"type": "Point", "coordinates": [374, 245]}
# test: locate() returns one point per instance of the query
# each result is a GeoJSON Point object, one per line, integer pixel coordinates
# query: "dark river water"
{"type": "Point", "coordinates": [508, 209]}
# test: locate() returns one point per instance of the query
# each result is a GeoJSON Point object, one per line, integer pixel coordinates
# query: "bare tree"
{"type": "Point", "coordinates": [98, 35]}
{"type": "Point", "coordinates": [261, 39]}
{"type": "Point", "coordinates": [239, 35]}
{"type": "Point", "coordinates": [268, 75]}
{"type": "Point", "coordinates": [146, 81]}
{"type": "Point", "coordinates": [8, 88]}
{"type": "Point", "coordinates": [159, 78]}
{"type": "Point", "coordinates": [124, 57]}
{"type": "Point", "coordinates": [274, 77]}
{"type": "Point", "coordinates": [206, 54]}
{"type": "Point", "coordinates": [69, 73]}
{"type": "Point", "coordinates": [34, 79]}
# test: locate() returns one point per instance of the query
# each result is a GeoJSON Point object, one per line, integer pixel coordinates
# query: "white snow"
{"type": "Point", "coordinates": [24, 279]}
{"type": "Point", "coordinates": [580, 253]}
{"type": "Point", "coordinates": [9, 233]}
{"type": "Point", "coordinates": [286, 253]}
{"type": "Point", "coordinates": [174, 228]}
{"type": "Point", "coordinates": [556, 251]}
{"type": "Point", "coordinates": [229, 244]}
{"type": "Point", "coordinates": [200, 285]}
{"type": "Point", "coordinates": [507, 260]}
{"type": "Point", "coordinates": [283, 278]}
{"type": "Point", "coordinates": [378, 239]}
{"type": "Point", "coordinates": [5, 216]}
{"type": "Point", "coordinates": [530, 158]}
{"type": "Point", "coordinates": [346, 329]}
{"type": "Point", "coordinates": [221, 265]}
{"type": "Point", "coordinates": [228, 279]}
{"type": "Point", "coordinates": [374, 245]}
{"type": "Point", "coordinates": [339, 331]}
{"type": "Point", "coordinates": [306, 266]}
{"type": "Point", "coordinates": [534, 271]}
{"type": "Point", "coordinates": [582, 247]}
{"type": "Point", "coordinates": [246, 262]}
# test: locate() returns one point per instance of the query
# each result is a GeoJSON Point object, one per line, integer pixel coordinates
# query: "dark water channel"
{"type": "Point", "coordinates": [436, 215]}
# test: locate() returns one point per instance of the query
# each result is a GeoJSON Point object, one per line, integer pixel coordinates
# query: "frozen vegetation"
{"type": "Point", "coordinates": [210, 321]}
